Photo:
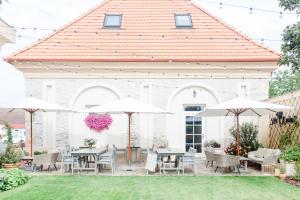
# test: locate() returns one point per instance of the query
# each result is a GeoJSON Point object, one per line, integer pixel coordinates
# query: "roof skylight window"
{"type": "Point", "coordinates": [183, 21]}
{"type": "Point", "coordinates": [112, 21]}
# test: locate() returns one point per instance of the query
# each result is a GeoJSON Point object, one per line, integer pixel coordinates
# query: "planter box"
{"type": "Point", "coordinates": [290, 169]}
{"type": "Point", "coordinates": [12, 166]}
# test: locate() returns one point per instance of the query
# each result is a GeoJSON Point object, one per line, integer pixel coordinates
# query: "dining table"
{"type": "Point", "coordinates": [166, 152]}
{"type": "Point", "coordinates": [85, 152]}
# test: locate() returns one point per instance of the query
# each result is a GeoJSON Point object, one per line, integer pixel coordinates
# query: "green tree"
{"type": "Point", "coordinates": [291, 38]}
{"type": "Point", "coordinates": [283, 82]}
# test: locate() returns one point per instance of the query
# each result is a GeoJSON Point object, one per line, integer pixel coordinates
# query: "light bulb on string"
{"type": "Point", "coordinates": [220, 5]}
{"type": "Point", "coordinates": [250, 10]}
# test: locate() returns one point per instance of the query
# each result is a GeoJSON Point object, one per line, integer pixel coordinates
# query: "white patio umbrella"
{"type": "Point", "coordinates": [33, 105]}
{"type": "Point", "coordinates": [127, 106]}
{"type": "Point", "coordinates": [242, 107]}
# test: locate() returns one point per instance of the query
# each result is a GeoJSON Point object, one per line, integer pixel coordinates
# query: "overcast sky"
{"type": "Point", "coordinates": [55, 13]}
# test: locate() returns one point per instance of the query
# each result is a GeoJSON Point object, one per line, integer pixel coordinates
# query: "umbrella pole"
{"type": "Point", "coordinates": [31, 113]}
{"type": "Point", "coordinates": [238, 137]}
{"type": "Point", "coordinates": [129, 139]}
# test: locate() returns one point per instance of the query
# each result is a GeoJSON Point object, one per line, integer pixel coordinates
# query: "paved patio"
{"type": "Point", "coordinates": [138, 169]}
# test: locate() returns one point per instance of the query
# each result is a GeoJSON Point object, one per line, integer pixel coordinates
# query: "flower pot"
{"type": "Point", "coordinates": [282, 176]}
{"type": "Point", "coordinates": [11, 166]}
{"type": "Point", "coordinates": [277, 172]}
{"type": "Point", "coordinates": [290, 169]}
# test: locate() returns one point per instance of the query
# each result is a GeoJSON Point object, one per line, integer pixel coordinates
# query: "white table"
{"type": "Point", "coordinates": [85, 152]}
{"type": "Point", "coordinates": [179, 153]}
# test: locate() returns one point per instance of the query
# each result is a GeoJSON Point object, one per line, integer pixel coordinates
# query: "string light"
{"type": "Point", "coordinates": [221, 4]}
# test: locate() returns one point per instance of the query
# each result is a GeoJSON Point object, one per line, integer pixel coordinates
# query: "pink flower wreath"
{"type": "Point", "coordinates": [98, 122]}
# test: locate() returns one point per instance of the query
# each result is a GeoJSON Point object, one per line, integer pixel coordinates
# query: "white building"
{"type": "Point", "coordinates": [171, 54]}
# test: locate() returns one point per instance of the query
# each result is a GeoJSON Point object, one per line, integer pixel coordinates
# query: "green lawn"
{"type": "Point", "coordinates": [191, 188]}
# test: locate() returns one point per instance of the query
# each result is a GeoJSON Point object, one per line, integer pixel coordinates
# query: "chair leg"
{"type": "Point", "coordinates": [212, 163]}
{"type": "Point", "coordinates": [238, 168]}
{"type": "Point", "coordinates": [55, 167]}
{"type": "Point", "coordinates": [48, 168]}
{"type": "Point", "coordinates": [216, 169]}
{"type": "Point", "coordinates": [33, 167]}
{"type": "Point", "coordinates": [61, 167]}
{"type": "Point", "coordinates": [207, 164]}
{"type": "Point", "coordinates": [42, 167]}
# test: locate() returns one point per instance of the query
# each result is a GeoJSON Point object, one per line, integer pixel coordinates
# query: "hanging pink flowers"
{"type": "Point", "coordinates": [98, 122]}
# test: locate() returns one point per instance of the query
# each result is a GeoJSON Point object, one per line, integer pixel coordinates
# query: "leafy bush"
{"type": "Point", "coordinates": [297, 168]}
{"type": "Point", "coordinates": [248, 138]}
{"type": "Point", "coordinates": [232, 150]}
{"type": "Point", "coordinates": [291, 154]}
{"type": "Point", "coordinates": [12, 155]}
{"type": "Point", "coordinates": [212, 143]}
{"type": "Point", "coordinates": [13, 178]}
{"type": "Point", "coordinates": [9, 134]}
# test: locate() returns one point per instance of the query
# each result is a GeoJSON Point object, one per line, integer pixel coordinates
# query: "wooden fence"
{"type": "Point", "coordinates": [278, 125]}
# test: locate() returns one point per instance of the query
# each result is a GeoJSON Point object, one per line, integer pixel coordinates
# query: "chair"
{"type": "Point", "coordinates": [189, 159]}
{"type": "Point", "coordinates": [227, 161]}
{"type": "Point", "coordinates": [66, 159]}
{"type": "Point", "coordinates": [2, 147]}
{"type": "Point", "coordinates": [44, 160]}
{"type": "Point", "coordinates": [107, 158]}
{"type": "Point", "coordinates": [210, 157]}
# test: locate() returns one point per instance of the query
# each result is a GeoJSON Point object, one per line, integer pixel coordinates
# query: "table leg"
{"type": "Point", "coordinates": [160, 164]}
{"type": "Point", "coordinates": [72, 165]}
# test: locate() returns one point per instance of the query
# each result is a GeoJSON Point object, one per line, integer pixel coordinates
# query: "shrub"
{"type": "Point", "coordinates": [13, 178]}
{"type": "Point", "coordinates": [9, 134]}
{"type": "Point", "coordinates": [212, 143]}
{"type": "Point", "coordinates": [248, 137]}
{"type": "Point", "coordinates": [291, 154]}
{"type": "Point", "coordinates": [289, 137]}
{"type": "Point", "coordinates": [232, 150]}
{"type": "Point", "coordinates": [12, 155]}
{"type": "Point", "coordinates": [297, 168]}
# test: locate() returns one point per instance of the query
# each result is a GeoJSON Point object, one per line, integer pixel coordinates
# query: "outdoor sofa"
{"type": "Point", "coordinates": [264, 156]}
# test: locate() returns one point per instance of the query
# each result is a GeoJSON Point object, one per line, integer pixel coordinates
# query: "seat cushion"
{"type": "Point", "coordinates": [254, 158]}
{"type": "Point", "coordinates": [260, 153]}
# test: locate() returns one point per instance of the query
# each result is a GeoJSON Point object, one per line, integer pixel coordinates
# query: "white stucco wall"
{"type": "Point", "coordinates": [172, 93]}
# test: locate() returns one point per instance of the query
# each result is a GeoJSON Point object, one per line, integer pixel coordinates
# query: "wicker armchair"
{"type": "Point", "coordinates": [44, 160]}
{"type": "Point", "coordinates": [210, 157]}
{"type": "Point", "coordinates": [227, 161]}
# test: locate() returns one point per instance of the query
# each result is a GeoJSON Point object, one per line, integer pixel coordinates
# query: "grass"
{"type": "Point", "coordinates": [148, 188]}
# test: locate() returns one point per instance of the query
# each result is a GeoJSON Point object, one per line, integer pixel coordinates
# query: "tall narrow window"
{"type": "Point", "coordinates": [183, 21]}
{"type": "Point", "coordinates": [193, 128]}
{"type": "Point", "coordinates": [112, 21]}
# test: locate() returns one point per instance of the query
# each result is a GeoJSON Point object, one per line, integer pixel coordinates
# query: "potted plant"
{"type": "Point", "coordinates": [290, 156]}
{"type": "Point", "coordinates": [11, 158]}
{"type": "Point", "coordinates": [90, 142]}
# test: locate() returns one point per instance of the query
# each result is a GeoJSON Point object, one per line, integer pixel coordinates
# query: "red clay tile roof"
{"type": "Point", "coordinates": [147, 34]}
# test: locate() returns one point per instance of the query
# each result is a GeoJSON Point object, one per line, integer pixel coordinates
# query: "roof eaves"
{"type": "Point", "coordinates": [10, 58]}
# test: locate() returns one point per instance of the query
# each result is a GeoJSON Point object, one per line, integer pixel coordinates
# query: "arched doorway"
{"type": "Point", "coordinates": [95, 95]}
{"type": "Point", "coordinates": [183, 128]}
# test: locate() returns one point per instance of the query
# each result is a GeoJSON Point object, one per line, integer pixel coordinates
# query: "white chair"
{"type": "Point", "coordinates": [107, 158]}
{"type": "Point", "coordinates": [189, 159]}
{"type": "Point", "coordinates": [66, 160]}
